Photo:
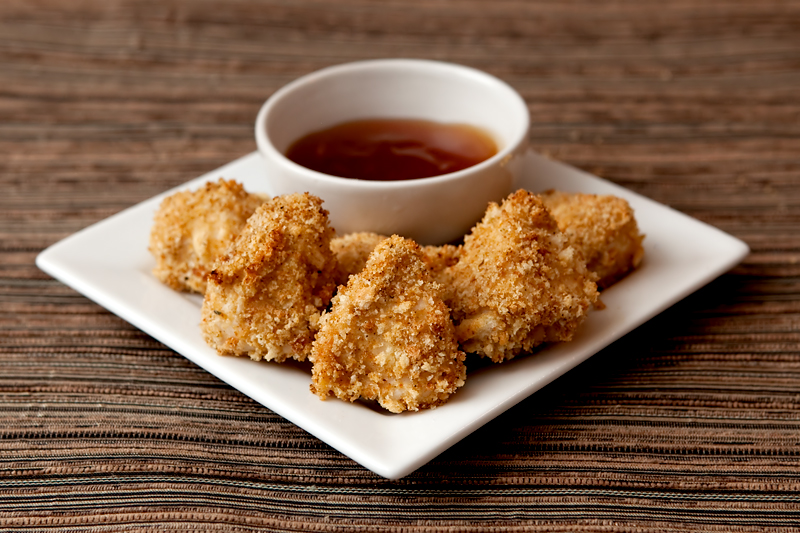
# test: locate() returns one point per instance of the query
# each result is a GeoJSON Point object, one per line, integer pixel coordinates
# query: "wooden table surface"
{"type": "Point", "coordinates": [690, 423]}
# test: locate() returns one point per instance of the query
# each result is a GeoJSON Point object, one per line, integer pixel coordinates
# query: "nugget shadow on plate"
{"type": "Point", "coordinates": [373, 405]}
{"type": "Point", "coordinates": [303, 366]}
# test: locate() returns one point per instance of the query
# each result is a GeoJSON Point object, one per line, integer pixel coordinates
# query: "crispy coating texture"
{"type": "Point", "coordinates": [439, 258]}
{"type": "Point", "coordinates": [388, 336]}
{"type": "Point", "coordinates": [602, 228]}
{"type": "Point", "coordinates": [266, 293]}
{"type": "Point", "coordinates": [191, 228]}
{"type": "Point", "coordinates": [352, 251]}
{"type": "Point", "coordinates": [518, 282]}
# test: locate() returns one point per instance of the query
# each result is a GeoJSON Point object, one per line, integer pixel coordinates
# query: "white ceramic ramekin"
{"type": "Point", "coordinates": [430, 210]}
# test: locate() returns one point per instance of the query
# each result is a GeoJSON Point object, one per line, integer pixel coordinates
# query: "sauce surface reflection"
{"type": "Point", "coordinates": [392, 149]}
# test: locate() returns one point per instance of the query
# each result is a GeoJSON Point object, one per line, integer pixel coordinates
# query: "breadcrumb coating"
{"type": "Point", "coordinates": [439, 258]}
{"type": "Point", "coordinates": [191, 228]}
{"type": "Point", "coordinates": [602, 228]}
{"type": "Point", "coordinates": [266, 293]}
{"type": "Point", "coordinates": [388, 336]}
{"type": "Point", "coordinates": [352, 251]}
{"type": "Point", "coordinates": [518, 282]}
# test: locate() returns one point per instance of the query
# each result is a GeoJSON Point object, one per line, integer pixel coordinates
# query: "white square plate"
{"type": "Point", "coordinates": [109, 263]}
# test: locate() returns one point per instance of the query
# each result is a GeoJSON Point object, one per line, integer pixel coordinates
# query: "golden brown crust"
{"type": "Point", "coordinates": [438, 258]}
{"type": "Point", "coordinates": [602, 228]}
{"type": "Point", "coordinates": [388, 336]}
{"type": "Point", "coordinates": [517, 282]}
{"type": "Point", "coordinates": [191, 228]}
{"type": "Point", "coordinates": [265, 295]}
{"type": "Point", "coordinates": [352, 251]}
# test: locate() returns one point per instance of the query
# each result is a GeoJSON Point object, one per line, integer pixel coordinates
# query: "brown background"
{"type": "Point", "coordinates": [690, 423]}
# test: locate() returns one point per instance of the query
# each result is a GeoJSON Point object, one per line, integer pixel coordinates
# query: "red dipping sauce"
{"type": "Point", "coordinates": [392, 149]}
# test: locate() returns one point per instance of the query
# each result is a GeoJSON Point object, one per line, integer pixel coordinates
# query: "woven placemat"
{"type": "Point", "coordinates": [690, 423]}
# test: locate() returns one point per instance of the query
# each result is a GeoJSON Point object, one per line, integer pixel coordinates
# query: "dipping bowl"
{"type": "Point", "coordinates": [431, 210]}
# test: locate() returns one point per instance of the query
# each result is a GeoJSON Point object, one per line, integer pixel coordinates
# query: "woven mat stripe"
{"type": "Point", "coordinates": [472, 493]}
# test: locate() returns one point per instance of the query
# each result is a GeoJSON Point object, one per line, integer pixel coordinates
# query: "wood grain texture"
{"type": "Point", "coordinates": [690, 423]}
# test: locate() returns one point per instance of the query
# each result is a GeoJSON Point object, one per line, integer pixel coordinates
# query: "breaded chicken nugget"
{"type": "Point", "coordinates": [602, 228]}
{"type": "Point", "coordinates": [388, 336]}
{"type": "Point", "coordinates": [439, 258]}
{"type": "Point", "coordinates": [352, 251]}
{"type": "Point", "coordinates": [266, 293]}
{"type": "Point", "coordinates": [192, 228]}
{"type": "Point", "coordinates": [518, 282]}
